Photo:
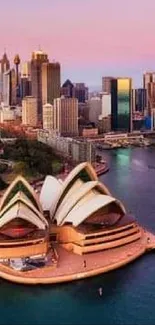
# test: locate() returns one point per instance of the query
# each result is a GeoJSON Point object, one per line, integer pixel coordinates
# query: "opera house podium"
{"type": "Point", "coordinates": [85, 217]}
{"type": "Point", "coordinates": [23, 229]}
{"type": "Point", "coordinates": [72, 229]}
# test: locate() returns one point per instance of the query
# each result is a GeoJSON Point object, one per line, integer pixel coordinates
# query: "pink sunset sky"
{"type": "Point", "coordinates": [90, 38]}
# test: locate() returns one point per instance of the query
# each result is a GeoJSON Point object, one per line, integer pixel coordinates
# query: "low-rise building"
{"type": "Point", "coordinates": [74, 149]}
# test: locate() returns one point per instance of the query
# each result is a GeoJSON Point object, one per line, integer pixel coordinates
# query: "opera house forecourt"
{"type": "Point", "coordinates": [72, 230]}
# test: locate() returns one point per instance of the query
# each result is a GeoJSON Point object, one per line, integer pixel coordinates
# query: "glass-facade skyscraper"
{"type": "Point", "coordinates": [139, 100]}
{"type": "Point", "coordinates": [121, 104]}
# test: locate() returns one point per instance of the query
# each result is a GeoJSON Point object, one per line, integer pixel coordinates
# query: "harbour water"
{"type": "Point", "coordinates": [128, 294]}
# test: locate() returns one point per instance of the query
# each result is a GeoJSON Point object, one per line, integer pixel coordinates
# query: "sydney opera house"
{"type": "Point", "coordinates": [46, 238]}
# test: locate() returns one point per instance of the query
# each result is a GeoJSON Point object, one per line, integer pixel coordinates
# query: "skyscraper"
{"type": "Point", "coordinates": [29, 111]}
{"type": "Point", "coordinates": [67, 89]}
{"type": "Point", "coordinates": [95, 108]}
{"type": "Point", "coordinates": [25, 81]}
{"type": "Point", "coordinates": [50, 82]}
{"type": "Point", "coordinates": [121, 104]}
{"type": "Point", "coordinates": [17, 62]}
{"type": "Point", "coordinates": [106, 104]}
{"type": "Point", "coordinates": [106, 84]}
{"type": "Point", "coordinates": [4, 66]}
{"type": "Point", "coordinates": [66, 110]}
{"type": "Point", "coordinates": [80, 91]}
{"type": "Point", "coordinates": [26, 69]}
{"type": "Point", "coordinates": [9, 87]}
{"type": "Point", "coordinates": [139, 100]}
{"type": "Point", "coordinates": [25, 87]}
{"type": "Point", "coordinates": [38, 58]}
{"type": "Point", "coordinates": [149, 85]}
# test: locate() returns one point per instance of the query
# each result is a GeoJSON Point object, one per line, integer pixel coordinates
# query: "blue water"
{"type": "Point", "coordinates": [128, 293]}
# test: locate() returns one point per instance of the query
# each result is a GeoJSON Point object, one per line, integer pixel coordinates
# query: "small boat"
{"type": "Point", "coordinates": [100, 290]}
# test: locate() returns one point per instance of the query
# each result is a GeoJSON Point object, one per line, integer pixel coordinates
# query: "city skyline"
{"type": "Point", "coordinates": [87, 37]}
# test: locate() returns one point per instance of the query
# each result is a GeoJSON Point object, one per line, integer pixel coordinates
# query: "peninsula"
{"type": "Point", "coordinates": [71, 230]}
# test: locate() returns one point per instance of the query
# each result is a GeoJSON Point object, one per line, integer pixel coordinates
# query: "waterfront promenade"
{"type": "Point", "coordinates": [71, 267]}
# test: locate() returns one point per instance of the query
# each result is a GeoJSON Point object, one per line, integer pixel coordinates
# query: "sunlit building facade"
{"type": "Point", "coordinates": [9, 87]}
{"type": "Point", "coordinates": [106, 84]}
{"type": "Point", "coordinates": [50, 82]}
{"type": "Point", "coordinates": [149, 85]}
{"type": "Point", "coordinates": [66, 116]}
{"type": "Point", "coordinates": [121, 104]}
{"type": "Point", "coordinates": [48, 117]}
{"type": "Point", "coordinates": [4, 67]}
{"type": "Point", "coordinates": [29, 111]}
{"type": "Point", "coordinates": [38, 58]}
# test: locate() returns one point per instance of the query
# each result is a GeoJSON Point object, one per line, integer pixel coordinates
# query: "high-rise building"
{"type": "Point", "coordinates": [139, 100]}
{"type": "Point", "coordinates": [17, 62]}
{"type": "Point", "coordinates": [67, 89]}
{"type": "Point", "coordinates": [13, 88]}
{"type": "Point", "coordinates": [25, 87]}
{"type": "Point", "coordinates": [9, 88]}
{"type": "Point", "coordinates": [106, 104]}
{"type": "Point", "coordinates": [4, 66]}
{"type": "Point", "coordinates": [121, 104]}
{"type": "Point", "coordinates": [80, 91]}
{"type": "Point", "coordinates": [38, 58]}
{"type": "Point", "coordinates": [83, 113]}
{"type": "Point", "coordinates": [106, 84]}
{"type": "Point", "coordinates": [26, 70]}
{"type": "Point", "coordinates": [147, 78]}
{"type": "Point", "coordinates": [25, 81]}
{"type": "Point", "coordinates": [149, 85]}
{"type": "Point", "coordinates": [95, 108]}
{"type": "Point", "coordinates": [48, 117]}
{"type": "Point", "coordinates": [29, 111]}
{"type": "Point", "coordinates": [50, 82]}
{"type": "Point", "coordinates": [66, 110]}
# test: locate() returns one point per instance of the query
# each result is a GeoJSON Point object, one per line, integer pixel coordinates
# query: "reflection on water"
{"type": "Point", "coordinates": [133, 182]}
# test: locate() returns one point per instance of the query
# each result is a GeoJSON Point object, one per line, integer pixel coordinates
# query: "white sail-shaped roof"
{"type": "Point", "coordinates": [92, 187]}
{"type": "Point", "coordinates": [20, 201]}
{"type": "Point", "coordinates": [19, 210]}
{"type": "Point", "coordinates": [75, 180]}
{"type": "Point", "coordinates": [82, 211]}
{"type": "Point", "coordinates": [21, 197]}
{"type": "Point", "coordinates": [50, 193]}
{"type": "Point", "coordinates": [29, 193]}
